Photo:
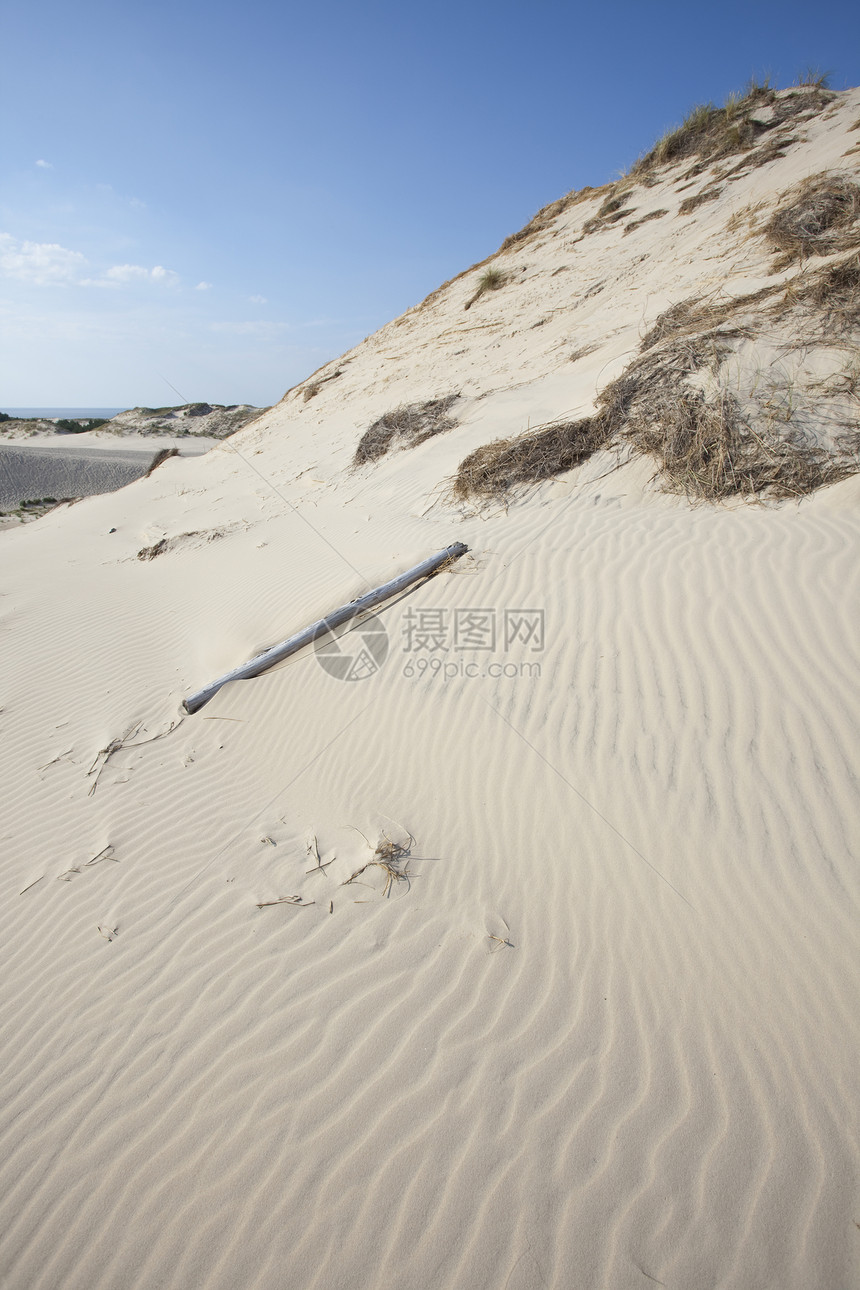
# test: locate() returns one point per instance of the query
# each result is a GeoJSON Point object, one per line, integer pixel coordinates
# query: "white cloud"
{"type": "Point", "coordinates": [126, 273]}
{"type": "Point", "coordinates": [203, 286]}
{"type": "Point", "coordinates": [47, 264]}
{"type": "Point", "coordinates": [39, 263]}
{"type": "Point", "coordinates": [258, 300]}
{"type": "Point", "coordinates": [44, 165]}
{"type": "Point", "coordinates": [120, 275]}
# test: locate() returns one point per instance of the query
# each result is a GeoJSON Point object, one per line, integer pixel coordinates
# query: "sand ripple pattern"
{"type": "Point", "coordinates": [385, 1096]}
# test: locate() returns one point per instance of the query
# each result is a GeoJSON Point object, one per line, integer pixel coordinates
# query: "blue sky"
{"type": "Point", "coordinates": [224, 196]}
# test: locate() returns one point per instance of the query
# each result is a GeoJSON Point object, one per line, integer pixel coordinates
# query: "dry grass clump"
{"type": "Point", "coordinates": [833, 293]}
{"type": "Point", "coordinates": [815, 219]}
{"type": "Point", "coordinates": [637, 223]}
{"type": "Point", "coordinates": [405, 427]}
{"type": "Point", "coordinates": [392, 858]}
{"type": "Point", "coordinates": [151, 552]}
{"type": "Point", "coordinates": [706, 319]}
{"type": "Point", "coordinates": [496, 468]}
{"type": "Point", "coordinates": [693, 317]}
{"type": "Point", "coordinates": [677, 318]}
{"type": "Point", "coordinates": [490, 280]}
{"type": "Point", "coordinates": [704, 444]}
{"type": "Point", "coordinates": [611, 211]}
{"type": "Point", "coordinates": [748, 215]}
{"type": "Point", "coordinates": [690, 204]}
{"type": "Point", "coordinates": [707, 449]}
{"type": "Point", "coordinates": [767, 152]}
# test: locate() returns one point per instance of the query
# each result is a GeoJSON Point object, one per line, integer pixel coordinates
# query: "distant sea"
{"type": "Point", "coordinates": [70, 414]}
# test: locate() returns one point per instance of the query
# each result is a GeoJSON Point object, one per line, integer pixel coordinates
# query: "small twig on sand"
{"type": "Point", "coordinates": [322, 866]}
{"type": "Point", "coordinates": [502, 942]}
{"type": "Point", "coordinates": [286, 900]}
{"type": "Point", "coordinates": [30, 884]}
{"type": "Point", "coordinates": [313, 850]}
{"type": "Point", "coordinates": [106, 853]}
{"type": "Point", "coordinates": [125, 741]}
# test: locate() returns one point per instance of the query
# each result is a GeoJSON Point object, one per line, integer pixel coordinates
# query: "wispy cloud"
{"type": "Point", "coordinates": [44, 165]}
{"type": "Point", "coordinates": [39, 263]}
{"type": "Point", "coordinates": [124, 275]}
{"type": "Point", "coordinates": [258, 300]}
{"type": "Point", "coordinates": [203, 286]}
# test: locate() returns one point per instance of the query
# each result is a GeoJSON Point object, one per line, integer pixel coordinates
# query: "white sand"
{"type": "Point", "coordinates": [656, 1080]}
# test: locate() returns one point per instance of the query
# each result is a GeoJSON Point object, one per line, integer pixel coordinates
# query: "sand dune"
{"type": "Point", "coordinates": [604, 1033]}
{"type": "Point", "coordinates": [28, 472]}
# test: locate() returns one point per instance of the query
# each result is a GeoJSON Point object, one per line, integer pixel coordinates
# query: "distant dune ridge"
{"type": "Point", "coordinates": [214, 420]}
{"type": "Point", "coordinates": [528, 957]}
{"type": "Point", "coordinates": [44, 461]}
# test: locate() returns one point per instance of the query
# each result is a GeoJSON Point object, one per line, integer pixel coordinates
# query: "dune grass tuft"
{"type": "Point", "coordinates": [405, 427]}
{"type": "Point", "coordinates": [497, 468]}
{"type": "Point", "coordinates": [818, 217]}
{"type": "Point", "coordinates": [491, 279]}
{"type": "Point", "coordinates": [690, 204]}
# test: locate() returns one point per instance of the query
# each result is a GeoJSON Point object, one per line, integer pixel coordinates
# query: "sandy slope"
{"type": "Point", "coordinates": [654, 1080]}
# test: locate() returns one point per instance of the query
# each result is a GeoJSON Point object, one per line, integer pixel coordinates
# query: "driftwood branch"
{"type": "Point", "coordinates": [277, 653]}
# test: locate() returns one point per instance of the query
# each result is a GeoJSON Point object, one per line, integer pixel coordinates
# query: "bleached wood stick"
{"type": "Point", "coordinates": [294, 643]}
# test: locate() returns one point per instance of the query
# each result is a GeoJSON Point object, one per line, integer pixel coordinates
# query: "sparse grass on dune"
{"type": "Point", "coordinates": [707, 443]}
{"type": "Point", "coordinates": [711, 133]}
{"type": "Point", "coordinates": [708, 135]}
{"type": "Point", "coordinates": [545, 216]}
